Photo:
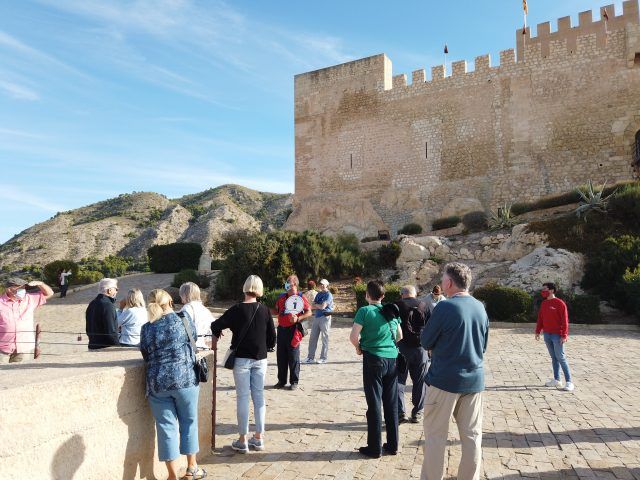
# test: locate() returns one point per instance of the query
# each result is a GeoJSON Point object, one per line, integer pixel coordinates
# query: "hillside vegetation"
{"type": "Point", "coordinates": [131, 223]}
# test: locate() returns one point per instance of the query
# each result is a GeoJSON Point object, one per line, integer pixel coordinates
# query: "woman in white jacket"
{"type": "Point", "coordinates": [202, 317]}
{"type": "Point", "coordinates": [131, 317]}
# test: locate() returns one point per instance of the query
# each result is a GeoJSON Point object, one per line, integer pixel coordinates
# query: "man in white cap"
{"type": "Point", "coordinates": [101, 316]}
{"type": "Point", "coordinates": [322, 306]}
{"type": "Point", "coordinates": [17, 325]}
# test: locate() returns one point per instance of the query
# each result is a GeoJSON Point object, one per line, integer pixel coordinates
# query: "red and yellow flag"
{"type": "Point", "coordinates": [525, 7]}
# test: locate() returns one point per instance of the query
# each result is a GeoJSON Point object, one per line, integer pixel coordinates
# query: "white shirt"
{"type": "Point", "coordinates": [130, 321]}
{"type": "Point", "coordinates": [202, 318]}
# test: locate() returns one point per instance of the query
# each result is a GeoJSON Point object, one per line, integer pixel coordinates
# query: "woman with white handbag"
{"type": "Point", "coordinates": [254, 334]}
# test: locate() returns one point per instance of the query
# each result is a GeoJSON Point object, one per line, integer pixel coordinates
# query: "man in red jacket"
{"type": "Point", "coordinates": [553, 320]}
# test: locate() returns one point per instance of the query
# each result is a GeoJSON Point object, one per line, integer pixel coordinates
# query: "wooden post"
{"type": "Point", "coordinates": [213, 399]}
{"type": "Point", "coordinates": [36, 351]}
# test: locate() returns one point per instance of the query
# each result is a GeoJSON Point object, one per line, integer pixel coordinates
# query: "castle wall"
{"type": "Point", "coordinates": [373, 151]}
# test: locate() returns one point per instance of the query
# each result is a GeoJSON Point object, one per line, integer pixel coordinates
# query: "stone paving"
{"type": "Point", "coordinates": [530, 431]}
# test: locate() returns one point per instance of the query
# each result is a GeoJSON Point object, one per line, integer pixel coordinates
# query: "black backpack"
{"type": "Point", "coordinates": [417, 319]}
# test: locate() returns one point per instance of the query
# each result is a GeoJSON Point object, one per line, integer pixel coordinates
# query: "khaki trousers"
{"type": "Point", "coordinates": [466, 408]}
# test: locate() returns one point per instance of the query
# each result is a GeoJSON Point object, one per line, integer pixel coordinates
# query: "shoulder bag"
{"type": "Point", "coordinates": [200, 366]}
{"type": "Point", "coordinates": [230, 357]}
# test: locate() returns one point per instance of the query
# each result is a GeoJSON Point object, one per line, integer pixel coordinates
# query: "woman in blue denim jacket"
{"type": "Point", "coordinates": [171, 384]}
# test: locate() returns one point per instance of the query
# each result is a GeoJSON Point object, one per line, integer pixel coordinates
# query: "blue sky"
{"type": "Point", "coordinates": [102, 97]}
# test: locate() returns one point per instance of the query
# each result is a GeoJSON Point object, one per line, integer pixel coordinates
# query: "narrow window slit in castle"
{"type": "Point", "coordinates": [636, 153]}
{"type": "Point", "coordinates": [426, 150]}
{"type": "Point", "coordinates": [351, 159]}
{"type": "Point", "coordinates": [636, 60]}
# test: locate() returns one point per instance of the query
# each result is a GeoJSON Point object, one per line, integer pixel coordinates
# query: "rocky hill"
{"type": "Point", "coordinates": [131, 223]}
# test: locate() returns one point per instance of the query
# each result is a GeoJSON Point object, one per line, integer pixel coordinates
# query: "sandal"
{"type": "Point", "coordinates": [195, 473]}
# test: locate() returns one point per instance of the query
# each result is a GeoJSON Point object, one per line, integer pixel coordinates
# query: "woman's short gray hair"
{"type": "Point", "coordinates": [459, 273]}
{"type": "Point", "coordinates": [190, 292]}
{"type": "Point", "coordinates": [253, 284]}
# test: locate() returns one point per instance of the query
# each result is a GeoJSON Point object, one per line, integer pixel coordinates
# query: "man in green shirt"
{"type": "Point", "coordinates": [374, 336]}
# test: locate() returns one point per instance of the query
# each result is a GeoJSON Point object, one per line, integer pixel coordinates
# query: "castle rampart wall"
{"type": "Point", "coordinates": [554, 113]}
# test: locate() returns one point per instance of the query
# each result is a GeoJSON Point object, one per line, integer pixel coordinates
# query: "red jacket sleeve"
{"type": "Point", "coordinates": [564, 320]}
{"type": "Point", "coordinates": [539, 323]}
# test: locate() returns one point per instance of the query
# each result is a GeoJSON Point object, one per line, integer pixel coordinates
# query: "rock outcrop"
{"type": "Point", "coordinates": [560, 266]}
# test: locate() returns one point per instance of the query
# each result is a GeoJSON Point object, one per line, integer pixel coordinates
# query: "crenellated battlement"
{"type": "Point", "coordinates": [546, 47]}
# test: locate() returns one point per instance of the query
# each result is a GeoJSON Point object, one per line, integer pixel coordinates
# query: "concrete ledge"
{"type": "Point", "coordinates": [85, 418]}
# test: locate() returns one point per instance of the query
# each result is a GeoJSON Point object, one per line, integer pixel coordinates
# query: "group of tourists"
{"type": "Point", "coordinates": [438, 340]}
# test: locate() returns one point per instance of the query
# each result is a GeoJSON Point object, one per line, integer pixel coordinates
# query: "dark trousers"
{"type": "Point", "coordinates": [63, 290]}
{"type": "Point", "coordinates": [380, 379]}
{"type": "Point", "coordinates": [414, 362]}
{"type": "Point", "coordinates": [288, 357]}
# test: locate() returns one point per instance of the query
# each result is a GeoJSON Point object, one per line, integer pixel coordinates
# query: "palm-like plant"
{"type": "Point", "coordinates": [501, 218]}
{"type": "Point", "coordinates": [591, 200]}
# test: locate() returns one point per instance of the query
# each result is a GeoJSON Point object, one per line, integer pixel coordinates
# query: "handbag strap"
{"type": "Point", "coordinates": [246, 329]}
{"type": "Point", "coordinates": [189, 333]}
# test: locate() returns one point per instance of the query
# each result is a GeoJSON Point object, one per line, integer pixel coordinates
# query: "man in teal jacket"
{"type": "Point", "coordinates": [457, 336]}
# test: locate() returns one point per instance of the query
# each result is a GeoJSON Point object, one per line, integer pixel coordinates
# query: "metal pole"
{"type": "Point", "coordinates": [213, 399]}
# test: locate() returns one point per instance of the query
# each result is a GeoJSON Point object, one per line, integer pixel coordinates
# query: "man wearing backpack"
{"type": "Point", "coordinates": [413, 359]}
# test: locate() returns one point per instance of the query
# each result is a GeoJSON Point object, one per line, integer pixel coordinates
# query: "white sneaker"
{"type": "Point", "coordinates": [322, 360]}
{"type": "Point", "coordinates": [309, 360]}
{"type": "Point", "coordinates": [553, 383]}
{"type": "Point", "coordinates": [569, 387]}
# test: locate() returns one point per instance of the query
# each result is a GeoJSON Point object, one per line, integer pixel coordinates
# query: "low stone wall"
{"type": "Point", "coordinates": [83, 416]}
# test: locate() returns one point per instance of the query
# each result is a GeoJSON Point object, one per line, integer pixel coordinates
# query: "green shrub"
{"type": "Point", "coordinates": [174, 257]}
{"type": "Point", "coordinates": [502, 217]}
{"type": "Point", "coordinates": [631, 287]}
{"type": "Point", "coordinates": [388, 254]}
{"type": "Point", "coordinates": [369, 239]}
{"type": "Point", "coordinates": [592, 199]}
{"type": "Point", "coordinates": [86, 277]}
{"type": "Point", "coordinates": [606, 266]}
{"type": "Point", "coordinates": [270, 296]}
{"type": "Point", "coordinates": [446, 222]}
{"type": "Point", "coordinates": [625, 204]}
{"type": "Point", "coordinates": [190, 275]}
{"type": "Point", "coordinates": [546, 202]}
{"type": "Point", "coordinates": [52, 269]}
{"type": "Point", "coordinates": [275, 255]}
{"type": "Point", "coordinates": [584, 308]}
{"type": "Point", "coordinates": [410, 229]}
{"type": "Point", "coordinates": [505, 304]}
{"type": "Point", "coordinates": [392, 293]}
{"type": "Point", "coordinates": [475, 221]}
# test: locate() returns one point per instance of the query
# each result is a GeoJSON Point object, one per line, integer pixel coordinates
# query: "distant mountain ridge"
{"type": "Point", "coordinates": [129, 224]}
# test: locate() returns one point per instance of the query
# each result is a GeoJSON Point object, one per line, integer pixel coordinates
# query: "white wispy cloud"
{"type": "Point", "coordinates": [9, 193]}
{"type": "Point", "coordinates": [19, 92]}
{"type": "Point", "coordinates": [21, 134]}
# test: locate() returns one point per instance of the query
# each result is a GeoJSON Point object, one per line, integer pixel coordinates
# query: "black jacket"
{"type": "Point", "coordinates": [405, 305]}
{"type": "Point", "coordinates": [102, 322]}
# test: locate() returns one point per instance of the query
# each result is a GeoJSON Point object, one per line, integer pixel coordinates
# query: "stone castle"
{"type": "Point", "coordinates": [374, 152]}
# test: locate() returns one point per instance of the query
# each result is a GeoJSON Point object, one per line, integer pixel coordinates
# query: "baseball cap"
{"type": "Point", "coordinates": [15, 282]}
{"type": "Point", "coordinates": [324, 282]}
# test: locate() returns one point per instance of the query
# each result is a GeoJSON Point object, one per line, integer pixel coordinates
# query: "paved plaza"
{"type": "Point", "coordinates": [530, 431]}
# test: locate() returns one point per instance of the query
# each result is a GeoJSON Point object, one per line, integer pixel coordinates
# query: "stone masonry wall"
{"type": "Point", "coordinates": [375, 152]}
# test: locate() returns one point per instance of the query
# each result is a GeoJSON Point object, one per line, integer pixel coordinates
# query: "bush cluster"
{"type": "Point", "coordinates": [275, 255]}
{"type": "Point", "coordinates": [392, 293]}
{"type": "Point", "coordinates": [174, 257]}
{"type": "Point", "coordinates": [190, 275]}
{"type": "Point", "coordinates": [86, 277]}
{"type": "Point", "coordinates": [388, 254]}
{"type": "Point", "coordinates": [475, 221]}
{"type": "Point", "coordinates": [625, 204]}
{"type": "Point", "coordinates": [446, 222]}
{"type": "Point", "coordinates": [606, 267]}
{"type": "Point", "coordinates": [505, 304]}
{"type": "Point", "coordinates": [410, 229]}
{"type": "Point", "coordinates": [270, 296]}
{"type": "Point", "coordinates": [631, 287]}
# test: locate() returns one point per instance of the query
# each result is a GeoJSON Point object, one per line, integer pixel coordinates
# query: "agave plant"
{"type": "Point", "coordinates": [591, 200]}
{"type": "Point", "coordinates": [501, 218]}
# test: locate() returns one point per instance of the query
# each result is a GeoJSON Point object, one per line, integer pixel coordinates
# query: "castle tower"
{"type": "Point", "coordinates": [374, 151]}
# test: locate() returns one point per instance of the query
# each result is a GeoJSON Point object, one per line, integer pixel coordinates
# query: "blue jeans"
{"type": "Point", "coordinates": [319, 329]}
{"type": "Point", "coordinates": [249, 375]}
{"type": "Point", "coordinates": [380, 379]}
{"type": "Point", "coordinates": [176, 411]}
{"type": "Point", "coordinates": [558, 358]}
